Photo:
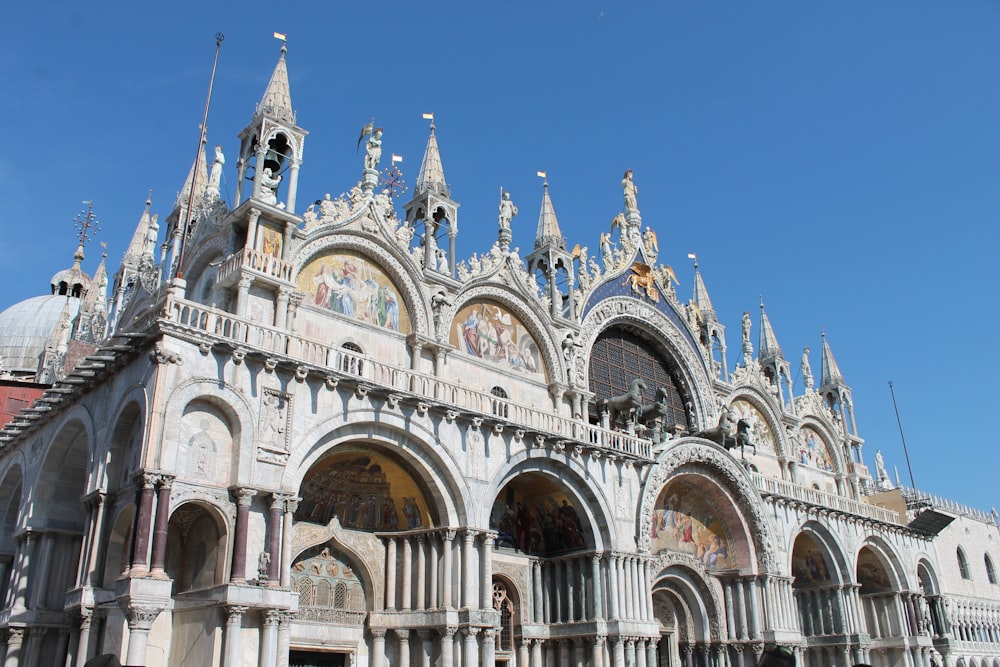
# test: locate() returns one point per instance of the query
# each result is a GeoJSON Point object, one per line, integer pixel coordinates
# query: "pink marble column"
{"type": "Point", "coordinates": [239, 570]}
{"type": "Point", "coordinates": [143, 515]}
{"type": "Point", "coordinates": [160, 529]}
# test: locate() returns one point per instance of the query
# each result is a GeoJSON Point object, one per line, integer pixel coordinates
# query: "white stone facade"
{"type": "Point", "coordinates": [331, 443]}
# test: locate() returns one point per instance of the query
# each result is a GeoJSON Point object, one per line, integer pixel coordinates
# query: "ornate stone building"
{"type": "Point", "coordinates": [313, 436]}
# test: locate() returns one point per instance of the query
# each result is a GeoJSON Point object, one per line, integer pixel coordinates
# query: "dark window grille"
{"type": "Point", "coordinates": [617, 357]}
{"type": "Point", "coordinates": [503, 604]}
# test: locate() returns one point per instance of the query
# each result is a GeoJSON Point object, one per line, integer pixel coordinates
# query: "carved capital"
{"type": "Point", "coordinates": [272, 617]}
{"type": "Point", "coordinates": [245, 496]}
{"type": "Point", "coordinates": [15, 636]}
{"type": "Point", "coordinates": [141, 617]}
{"type": "Point", "coordinates": [449, 632]}
{"type": "Point", "coordinates": [270, 364]}
{"type": "Point", "coordinates": [234, 614]}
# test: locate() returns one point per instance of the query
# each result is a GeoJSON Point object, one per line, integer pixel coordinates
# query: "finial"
{"type": "Point", "coordinates": [430, 117]}
{"type": "Point", "coordinates": [762, 302]}
{"type": "Point", "coordinates": [545, 181]}
{"type": "Point", "coordinates": [693, 256]}
{"type": "Point", "coordinates": [822, 332]}
{"type": "Point", "coordinates": [149, 198]}
{"type": "Point", "coordinates": [284, 42]}
{"type": "Point", "coordinates": [86, 223]}
{"type": "Point", "coordinates": [104, 250]}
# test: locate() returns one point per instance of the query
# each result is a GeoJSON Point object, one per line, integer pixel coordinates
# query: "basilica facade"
{"type": "Point", "coordinates": [312, 435]}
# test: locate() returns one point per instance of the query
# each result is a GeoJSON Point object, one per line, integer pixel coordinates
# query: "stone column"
{"type": "Point", "coordinates": [62, 646]}
{"type": "Point", "coordinates": [489, 646]}
{"type": "Point", "coordinates": [595, 575]}
{"type": "Point", "coordinates": [377, 658]}
{"type": "Point", "coordinates": [536, 652]}
{"type": "Point", "coordinates": [83, 641]}
{"type": "Point", "coordinates": [612, 585]}
{"type": "Point", "coordinates": [140, 541]}
{"type": "Point", "coordinates": [231, 649]}
{"type": "Point", "coordinates": [536, 580]}
{"type": "Point", "coordinates": [15, 645]}
{"type": "Point", "coordinates": [754, 615]}
{"type": "Point", "coordinates": [421, 602]}
{"type": "Point", "coordinates": [640, 652]}
{"type": "Point", "coordinates": [281, 306]}
{"type": "Point", "coordinates": [95, 542]}
{"type": "Point", "coordinates": [651, 653]}
{"type": "Point", "coordinates": [41, 575]}
{"type": "Point", "coordinates": [447, 647]}
{"type": "Point", "coordinates": [274, 539]}
{"type": "Point", "coordinates": [293, 183]}
{"type": "Point", "coordinates": [404, 646]}
{"type": "Point", "coordinates": [406, 575]}
{"type": "Point", "coordinates": [523, 653]}
{"type": "Point", "coordinates": [618, 651]}
{"type": "Point", "coordinates": [390, 573]}
{"type": "Point", "coordinates": [243, 295]}
{"type": "Point", "coordinates": [446, 574]}
{"type": "Point", "coordinates": [140, 620]}
{"type": "Point", "coordinates": [741, 609]}
{"type": "Point", "coordinates": [433, 558]}
{"type": "Point", "coordinates": [630, 652]}
{"type": "Point", "coordinates": [570, 589]}
{"type": "Point", "coordinates": [32, 653]}
{"type": "Point", "coordinates": [471, 652]}
{"type": "Point", "coordinates": [239, 569]}
{"type": "Point", "coordinates": [597, 651]}
{"type": "Point", "coordinates": [648, 592]}
{"type": "Point", "coordinates": [469, 592]}
{"type": "Point", "coordinates": [486, 585]}
{"type": "Point", "coordinates": [291, 505]}
{"type": "Point", "coordinates": [427, 647]}
{"type": "Point", "coordinates": [284, 636]}
{"type": "Point", "coordinates": [579, 659]}
{"type": "Point", "coordinates": [160, 529]}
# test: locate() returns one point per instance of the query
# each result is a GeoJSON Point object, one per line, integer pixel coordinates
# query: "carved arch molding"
{"type": "Point", "coordinates": [730, 476]}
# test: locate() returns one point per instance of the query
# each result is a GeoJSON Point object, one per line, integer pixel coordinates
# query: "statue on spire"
{"type": "Point", "coordinates": [630, 191]}
{"type": "Point", "coordinates": [373, 151]}
{"type": "Point", "coordinates": [807, 374]}
{"type": "Point", "coordinates": [215, 178]}
{"type": "Point", "coordinates": [747, 345]}
{"type": "Point", "coordinates": [507, 211]}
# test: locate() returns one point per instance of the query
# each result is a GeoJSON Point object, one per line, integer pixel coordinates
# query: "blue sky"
{"type": "Point", "coordinates": [840, 159]}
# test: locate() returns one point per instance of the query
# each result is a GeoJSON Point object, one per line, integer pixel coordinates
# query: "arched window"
{"type": "Point", "coordinates": [963, 564]}
{"type": "Point", "coordinates": [499, 402]}
{"type": "Point", "coordinates": [351, 361]}
{"type": "Point", "coordinates": [503, 604]}
{"type": "Point", "coordinates": [990, 572]}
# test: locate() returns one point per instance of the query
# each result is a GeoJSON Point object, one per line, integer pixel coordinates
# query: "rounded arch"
{"type": "Point", "coordinates": [63, 474]}
{"type": "Point", "coordinates": [817, 556]}
{"type": "Point", "coordinates": [570, 476]}
{"type": "Point", "coordinates": [884, 555]}
{"type": "Point", "coordinates": [927, 577]}
{"type": "Point", "coordinates": [116, 549]}
{"type": "Point", "coordinates": [406, 438]}
{"type": "Point", "coordinates": [507, 602]}
{"type": "Point", "coordinates": [690, 454]}
{"type": "Point", "coordinates": [529, 314]}
{"type": "Point", "coordinates": [11, 501]}
{"type": "Point", "coordinates": [124, 442]}
{"type": "Point", "coordinates": [683, 594]}
{"type": "Point", "coordinates": [203, 266]}
{"type": "Point", "coordinates": [829, 442]}
{"type": "Point", "coordinates": [197, 546]}
{"type": "Point", "coordinates": [631, 313]}
{"type": "Point", "coordinates": [234, 408]}
{"type": "Point", "coordinates": [400, 272]}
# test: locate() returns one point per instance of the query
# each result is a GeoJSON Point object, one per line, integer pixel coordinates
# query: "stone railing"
{"type": "Point", "coordinates": [258, 261]}
{"type": "Point", "coordinates": [779, 487]}
{"type": "Point", "coordinates": [428, 388]}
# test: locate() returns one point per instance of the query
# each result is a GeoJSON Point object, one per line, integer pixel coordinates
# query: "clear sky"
{"type": "Point", "coordinates": [840, 159]}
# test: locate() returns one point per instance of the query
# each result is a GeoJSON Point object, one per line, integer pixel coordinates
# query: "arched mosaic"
{"type": "Point", "coordinates": [349, 283]}
{"type": "Point", "coordinates": [489, 331]}
{"type": "Point", "coordinates": [871, 573]}
{"type": "Point", "coordinates": [685, 521]}
{"type": "Point", "coordinates": [534, 515]}
{"type": "Point", "coordinates": [329, 589]}
{"type": "Point", "coordinates": [812, 450]}
{"type": "Point", "coordinates": [760, 433]}
{"type": "Point", "coordinates": [366, 490]}
{"type": "Point", "coordinates": [810, 565]}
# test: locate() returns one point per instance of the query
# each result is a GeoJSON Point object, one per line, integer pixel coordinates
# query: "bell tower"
{"type": "Point", "coordinates": [550, 262]}
{"type": "Point", "coordinates": [432, 214]}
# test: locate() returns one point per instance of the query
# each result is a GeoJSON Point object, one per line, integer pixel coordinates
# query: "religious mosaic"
{"type": "Point", "coordinates": [871, 573]}
{"type": "Point", "coordinates": [685, 521]}
{"type": "Point", "coordinates": [760, 433]}
{"type": "Point", "coordinates": [325, 579]}
{"type": "Point", "coordinates": [350, 284]}
{"type": "Point", "coordinates": [365, 491]}
{"type": "Point", "coordinates": [813, 450]}
{"type": "Point", "coordinates": [489, 331]}
{"type": "Point", "coordinates": [536, 519]}
{"type": "Point", "coordinates": [808, 564]}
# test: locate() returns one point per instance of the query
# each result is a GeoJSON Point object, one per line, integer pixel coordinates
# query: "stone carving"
{"type": "Point", "coordinates": [507, 212]}
{"type": "Point", "coordinates": [275, 418]}
{"type": "Point", "coordinates": [807, 375]}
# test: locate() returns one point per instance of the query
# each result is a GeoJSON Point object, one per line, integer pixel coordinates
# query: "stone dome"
{"type": "Point", "coordinates": [72, 282]}
{"type": "Point", "coordinates": [25, 328]}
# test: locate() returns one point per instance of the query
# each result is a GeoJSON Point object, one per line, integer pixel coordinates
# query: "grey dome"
{"type": "Point", "coordinates": [25, 328]}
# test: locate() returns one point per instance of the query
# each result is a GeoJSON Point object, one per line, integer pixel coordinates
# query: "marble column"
{"type": "Point", "coordinates": [640, 652]}
{"type": "Point", "coordinates": [613, 601]}
{"type": "Point", "coordinates": [234, 624]}
{"type": "Point", "coordinates": [570, 589]}
{"type": "Point", "coordinates": [15, 647]}
{"type": "Point", "coordinates": [421, 601]}
{"type": "Point", "coordinates": [488, 646]}
{"type": "Point", "coordinates": [160, 527]}
{"type": "Point", "coordinates": [447, 647]}
{"type": "Point", "coordinates": [239, 569]}
{"type": "Point", "coordinates": [274, 538]}
{"type": "Point", "coordinates": [33, 652]}
{"type": "Point", "coordinates": [404, 646]}
{"type": "Point", "coordinates": [471, 652]}
{"type": "Point", "coordinates": [597, 651]}
{"type": "Point", "coordinates": [426, 647]}
{"type": "Point", "coordinates": [651, 653]}
{"type": "Point", "coordinates": [618, 652]}
{"type": "Point", "coordinates": [140, 620]}
{"type": "Point", "coordinates": [536, 580]}
{"type": "Point", "coordinates": [536, 652]}
{"type": "Point", "coordinates": [83, 641]}
{"type": "Point", "coordinates": [447, 580]}
{"type": "Point", "coordinates": [433, 599]}
{"type": "Point", "coordinates": [390, 573]}
{"type": "Point", "coordinates": [41, 573]}
{"type": "Point", "coordinates": [284, 636]}
{"type": "Point", "coordinates": [486, 572]}
{"type": "Point", "coordinates": [140, 542]}
{"type": "Point", "coordinates": [630, 652]}
{"type": "Point", "coordinates": [595, 575]}
{"type": "Point", "coordinates": [377, 658]}
{"type": "Point", "coordinates": [406, 576]}
{"type": "Point", "coordinates": [291, 504]}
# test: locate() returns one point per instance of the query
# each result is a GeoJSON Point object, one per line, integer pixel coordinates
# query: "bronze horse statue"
{"type": "Point", "coordinates": [617, 405]}
{"type": "Point", "coordinates": [647, 413]}
{"type": "Point", "coordinates": [724, 436]}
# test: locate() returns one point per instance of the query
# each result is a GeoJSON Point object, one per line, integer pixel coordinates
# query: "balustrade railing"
{"type": "Point", "coordinates": [434, 389]}
{"type": "Point", "coordinates": [256, 260]}
{"type": "Point", "coordinates": [780, 487]}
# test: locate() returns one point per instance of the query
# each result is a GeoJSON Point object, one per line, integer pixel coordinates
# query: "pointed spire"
{"type": "Point", "coordinates": [548, 226]}
{"type": "Point", "coordinates": [198, 176]}
{"type": "Point", "coordinates": [92, 319]}
{"type": "Point", "coordinates": [140, 238]}
{"type": "Point", "coordinates": [830, 371]}
{"type": "Point", "coordinates": [431, 176]}
{"type": "Point", "coordinates": [768, 343]}
{"type": "Point", "coordinates": [277, 100]}
{"type": "Point", "coordinates": [700, 296]}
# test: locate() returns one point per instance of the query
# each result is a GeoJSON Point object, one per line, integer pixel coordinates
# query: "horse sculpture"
{"type": "Point", "coordinates": [724, 436]}
{"type": "Point", "coordinates": [617, 405]}
{"type": "Point", "coordinates": [647, 413]}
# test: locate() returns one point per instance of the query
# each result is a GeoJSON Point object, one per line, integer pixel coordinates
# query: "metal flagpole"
{"type": "Point", "coordinates": [197, 158]}
{"type": "Point", "coordinates": [913, 484]}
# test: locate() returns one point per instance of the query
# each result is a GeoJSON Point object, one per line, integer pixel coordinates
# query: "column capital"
{"type": "Point", "coordinates": [402, 633]}
{"type": "Point", "coordinates": [148, 479]}
{"type": "Point", "coordinates": [757, 647]}
{"type": "Point", "coordinates": [166, 481]}
{"type": "Point", "coordinates": [272, 617]}
{"type": "Point", "coordinates": [470, 535]}
{"type": "Point", "coordinates": [449, 632]}
{"type": "Point", "coordinates": [489, 633]}
{"type": "Point", "coordinates": [285, 617]}
{"type": "Point", "coordinates": [471, 631]}
{"type": "Point", "coordinates": [234, 614]}
{"type": "Point", "coordinates": [490, 536]}
{"type": "Point", "coordinates": [292, 504]}
{"type": "Point", "coordinates": [141, 617]}
{"type": "Point", "coordinates": [378, 633]}
{"type": "Point", "coordinates": [450, 534]}
{"type": "Point", "coordinates": [244, 495]}
{"type": "Point", "coordinates": [15, 635]}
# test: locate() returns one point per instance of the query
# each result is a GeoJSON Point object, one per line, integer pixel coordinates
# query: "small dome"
{"type": "Point", "coordinates": [72, 282]}
{"type": "Point", "coordinates": [26, 327]}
